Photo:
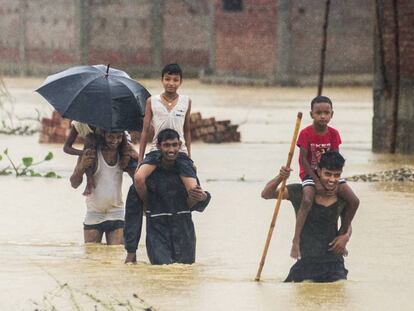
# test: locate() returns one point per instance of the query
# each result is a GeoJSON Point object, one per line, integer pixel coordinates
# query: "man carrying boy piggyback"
{"type": "Point", "coordinates": [168, 110]}
{"type": "Point", "coordinates": [315, 140]}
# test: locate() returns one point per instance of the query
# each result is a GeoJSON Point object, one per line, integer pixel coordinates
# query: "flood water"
{"type": "Point", "coordinates": [44, 264]}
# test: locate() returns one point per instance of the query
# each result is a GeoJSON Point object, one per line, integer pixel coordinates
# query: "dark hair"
{"type": "Point", "coordinates": [331, 160]}
{"type": "Point", "coordinates": [320, 99]}
{"type": "Point", "coordinates": [172, 69]}
{"type": "Point", "coordinates": [167, 134]}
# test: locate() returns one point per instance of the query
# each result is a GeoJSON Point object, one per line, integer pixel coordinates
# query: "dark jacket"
{"type": "Point", "coordinates": [170, 229]}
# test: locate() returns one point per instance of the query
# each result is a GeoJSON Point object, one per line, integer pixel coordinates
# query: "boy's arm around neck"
{"type": "Point", "coordinates": [70, 140]}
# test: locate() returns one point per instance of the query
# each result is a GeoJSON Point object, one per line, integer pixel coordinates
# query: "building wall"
{"type": "Point", "coordinates": [246, 40]}
{"type": "Point", "coordinates": [186, 33]}
{"type": "Point", "coordinates": [9, 34]}
{"type": "Point", "coordinates": [51, 35]}
{"type": "Point", "coordinates": [393, 122]}
{"type": "Point", "coordinates": [349, 43]}
{"type": "Point", "coordinates": [44, 36]}
{"type": "Point", "coordinates": [120, 33]}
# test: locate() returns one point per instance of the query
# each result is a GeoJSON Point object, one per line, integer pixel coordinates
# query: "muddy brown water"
{"type": "Point", "coordinates": [44, 264]}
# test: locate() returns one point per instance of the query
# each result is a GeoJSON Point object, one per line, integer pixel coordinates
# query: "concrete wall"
{"type": "Point", "coordinates": [393, 122]}
{"type": "Point", "coordinates": [274, 39]}
{"type": "Point", "coordinates": [246, 40]}
{"type": "Point", "coordinates": [349, 44]}
{"type": "Point", "coordinates": [44, 36]}
{"type": "Point", "coordinates": [272, 35]}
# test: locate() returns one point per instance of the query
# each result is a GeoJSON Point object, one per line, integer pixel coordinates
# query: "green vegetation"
{"type": "Point", "coordinates": [10, 124]}
{"type": "Point", "coordinates": [25, 168]}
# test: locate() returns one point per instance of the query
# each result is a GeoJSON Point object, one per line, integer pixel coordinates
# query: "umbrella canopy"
{"type": "Point", "coordinates": [97, 95]}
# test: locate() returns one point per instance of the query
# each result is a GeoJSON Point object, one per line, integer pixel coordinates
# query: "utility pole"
{"type": "Point", "coordinates": [157, 32]}
{"type": "Point", "coordinates": [22, 37]}
{"type": "Point", "coordinates": [211, 37]}
{"type": "Point", "coordinates": [84, 21]}
{"type": "Point", "coordinates": [283, 42]}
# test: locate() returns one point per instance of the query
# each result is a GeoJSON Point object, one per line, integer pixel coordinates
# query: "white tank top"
{"type": "Point", "coordinates": [174, 119]}
{"type": "Point", "coordinates": [105, 201]}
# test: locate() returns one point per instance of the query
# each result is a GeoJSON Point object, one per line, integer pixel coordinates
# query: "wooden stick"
{"type": "Point", "coordinates": [280, 196]}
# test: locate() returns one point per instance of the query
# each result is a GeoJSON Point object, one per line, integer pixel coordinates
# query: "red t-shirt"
{"type": "Point", "coordinates": [316, 145]}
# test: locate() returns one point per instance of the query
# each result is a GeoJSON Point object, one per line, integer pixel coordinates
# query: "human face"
{"type": "Point", "coordinates": [169, 149]}
{"type": "Point", "coordinates": [113, 140]}
{"type": "Point", "coordinates": [321, 114]}
{"type": "Point", "coordinates": [171, 83]}
{"type": "Point", "coordinates": [329, 178]}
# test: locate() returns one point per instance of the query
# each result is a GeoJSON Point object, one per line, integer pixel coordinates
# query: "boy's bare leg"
{"type": "Point", "coordinates": [308, 194]}
{"type": "Point", "coordinates": [127, 152]}
{"type": "Point", "coordinates": [140, 178]}
{"type": "Point", "coordinates": [115, 237]}
{"type": "Point", "coordinates": [90, 184]}
{"type": "Point", "coordinates": [189, 183]}
{"type": "Point", "coordinates": [92, 236]}
{"type": "Point", "coordinates": [345, 192]}
{"type": "Point", "coordinates": [90, 143]}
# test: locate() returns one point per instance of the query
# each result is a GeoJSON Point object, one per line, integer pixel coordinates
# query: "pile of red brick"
{"type": "Point", "coordinates": [211, 131]}
{"type": "Point", "coordinates": [56, 129]}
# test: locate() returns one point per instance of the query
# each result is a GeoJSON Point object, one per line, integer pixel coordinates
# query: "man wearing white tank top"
{"type": "Point", "coordinates": [167, 110]}
{"type": "Point", "coordinates": [105, 209]}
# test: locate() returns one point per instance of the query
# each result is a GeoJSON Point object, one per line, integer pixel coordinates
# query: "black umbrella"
{"type": "Point", "coordinates": [98, 95]}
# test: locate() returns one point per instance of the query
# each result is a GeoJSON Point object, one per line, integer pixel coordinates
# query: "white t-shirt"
{"type": "Point", "coordinates": [174, 119]}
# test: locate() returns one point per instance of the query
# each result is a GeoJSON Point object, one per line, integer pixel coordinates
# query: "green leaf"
{"type": "Point", "coordinates": [50, 175]}
{"type": "Point", "coordinates": [6, 151]}
{"type": "Point", "coordinates": [1, 158]}
{"type": "Point", "coordinates": [27, 161]}
{"type": "Point", "coordinates": [49, 156]}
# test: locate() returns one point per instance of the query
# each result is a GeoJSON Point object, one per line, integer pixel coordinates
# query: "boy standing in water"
{"type": "Point", "coordinates": [167, 110]}
{"type": "Point", "coordinates": [314, 141]}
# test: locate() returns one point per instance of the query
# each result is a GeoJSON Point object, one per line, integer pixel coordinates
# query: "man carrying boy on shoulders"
{"type": "Point", "coordinates": [322, 246]}
{"type": "Point", "coordinates": [170, 229]}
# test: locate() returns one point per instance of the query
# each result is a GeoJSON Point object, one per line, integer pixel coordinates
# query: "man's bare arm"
{"type": "Point", "coordinates": [84, 162]}
{"type": "Point", "coordinates": [271, 190]}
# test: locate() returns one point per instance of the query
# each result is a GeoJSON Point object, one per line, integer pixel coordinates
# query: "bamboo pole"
{"type": "Point", "coordinates": [280, 196]}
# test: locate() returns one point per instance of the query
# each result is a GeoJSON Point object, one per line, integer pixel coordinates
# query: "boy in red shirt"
{"type": "Point", "coordinates": [313, 141]}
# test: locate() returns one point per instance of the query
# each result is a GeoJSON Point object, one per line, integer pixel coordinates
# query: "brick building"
{"type": "Point", "coordinates": [393, 122]}
{"type": "Point", "coordinates": [277, 40]}
{"type": "Point", "coordinates": [45, 36]}
{"type": "Point", "coordinates": [281, 40]}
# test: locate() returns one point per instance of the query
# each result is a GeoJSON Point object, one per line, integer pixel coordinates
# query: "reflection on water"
{"type": "Point", "coordinates": [398, 187]}
{"type": "Point", "coordinates": [45, 265]}
{"type": "Point", "coordinates": [308, 295]}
